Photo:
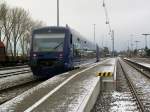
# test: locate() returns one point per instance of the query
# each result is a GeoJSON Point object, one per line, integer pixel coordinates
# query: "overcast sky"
{"type": "Point", "coordinates": [127, 17]}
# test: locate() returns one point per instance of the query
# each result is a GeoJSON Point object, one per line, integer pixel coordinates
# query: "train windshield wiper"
{"type": "Point", "coordinates": [58, 45]}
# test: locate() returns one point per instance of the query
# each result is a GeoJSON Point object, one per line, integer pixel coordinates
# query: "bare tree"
{"type": "Point", "coordinates": [17, 26]}
{"type": "Point", "coordinates": [5, 23]}
{"type": "Point", "coordinates": [26, 38]}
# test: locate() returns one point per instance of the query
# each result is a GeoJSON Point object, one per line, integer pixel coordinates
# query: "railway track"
{"type": "Point", "coordinates": [119, 100]}
{"type": "Point", "coordinates": [11, 92]}
{"type": "Point", "coordinates": [132, 92]}
{"type": "Point", "coordinates": [139, 83]}
{"type": "Point", "coordinates": [14, 73]}
{"type": "Point", "coordinates": [27, 70]}
{"type": "Point", "coordinates": [13, 67]}
{"type": "Point", "coordinates": [133, 89]}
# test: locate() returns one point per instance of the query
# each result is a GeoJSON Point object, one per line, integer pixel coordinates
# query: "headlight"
{"type": "Point", "coordinates": [34, 55]}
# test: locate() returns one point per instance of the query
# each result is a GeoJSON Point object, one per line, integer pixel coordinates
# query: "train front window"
{"type": "Point", "coordinates": [48, 42]}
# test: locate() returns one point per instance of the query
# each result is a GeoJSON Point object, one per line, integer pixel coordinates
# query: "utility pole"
{"type": "Point", "coordinates": [94, 33]}
{"type": "Point", "coordinates": [136, 42]}
{"type": "Point", "coordinates": [131, 42]}
{"type": "Point", "coordinates": [128, 44]}
{"type": "Point", "coordinates": [57, 13]}
{"type": "Point", "coordinates": [146, 40]}
{"type": "Point", "coordinates": [113, 51]}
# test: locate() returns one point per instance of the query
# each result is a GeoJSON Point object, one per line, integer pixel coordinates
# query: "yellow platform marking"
{"type": "Point", "coordinates": [104, 74]}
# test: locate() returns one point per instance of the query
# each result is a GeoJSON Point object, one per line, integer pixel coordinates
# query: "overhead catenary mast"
{"type": "Point", "coordinates": [146, 40]}
{"type": "Point", "coordinates": [136, 43]}
{"type": "Point", "coordinates": [108, 23]}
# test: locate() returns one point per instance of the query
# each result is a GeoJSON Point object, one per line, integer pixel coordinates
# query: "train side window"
{"type": "Point", "coordinates": [71, 39]}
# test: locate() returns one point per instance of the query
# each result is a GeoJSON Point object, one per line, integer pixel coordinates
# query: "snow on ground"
{"type": "Point", "coordinates": [74, 92]}
{"type": "Point", "coordinates": [47, 86]}
{"type": "Point", "coordinates": [145, 64]}
{"type": "Point", "coordinates": [15, 80]}
{"type": "Point", "coordinates": [10, 105]}
{"type": "Point", "coordinates": [122, 102]}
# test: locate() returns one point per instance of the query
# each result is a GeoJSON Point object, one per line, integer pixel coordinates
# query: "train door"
{"type": "Point", "coordinates": [77, 50]}
{"type": "Point", "coordinates": [71, 51]}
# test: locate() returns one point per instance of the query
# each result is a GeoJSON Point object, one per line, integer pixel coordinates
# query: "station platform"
{"type": "Point", "coordinates": [74, 91]}
{"type": "Point", "coordinates": [139, 62]}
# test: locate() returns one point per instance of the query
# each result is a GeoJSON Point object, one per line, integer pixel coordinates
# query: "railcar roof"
{"type": "Point", "coordinates": [50, 27]}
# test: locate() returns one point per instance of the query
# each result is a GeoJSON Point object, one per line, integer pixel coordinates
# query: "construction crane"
{"type": "Point", "coordinates": [111, 32]}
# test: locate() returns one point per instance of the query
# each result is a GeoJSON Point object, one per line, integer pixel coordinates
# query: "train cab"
{"type": "Point", "coordinates": [47, 51]}
{"type": "Point", "coordinates": [55, 49]}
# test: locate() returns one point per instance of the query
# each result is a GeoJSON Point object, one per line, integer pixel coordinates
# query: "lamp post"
{"type": "Point", "coordinates": [57, 13]}
{"type": "Point", "coordinates": [113, 43]}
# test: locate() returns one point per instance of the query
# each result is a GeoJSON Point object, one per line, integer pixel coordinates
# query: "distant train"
{"type": "Point", "coordinates": [6, 60]}
{"type": "Point", "coordinates": [58, 48]}
{"type": "Point", "coordinates": [2, 53]}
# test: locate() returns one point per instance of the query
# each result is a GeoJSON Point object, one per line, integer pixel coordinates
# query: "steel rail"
{"type": "Point", "coordinates": [133, 90]}
{"type": "Point", "coordinates": [13, 67]}
{"type": "Point", "coordinates": [14, 73]}
{"type": "Point", "coordinates": [10, 89]}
